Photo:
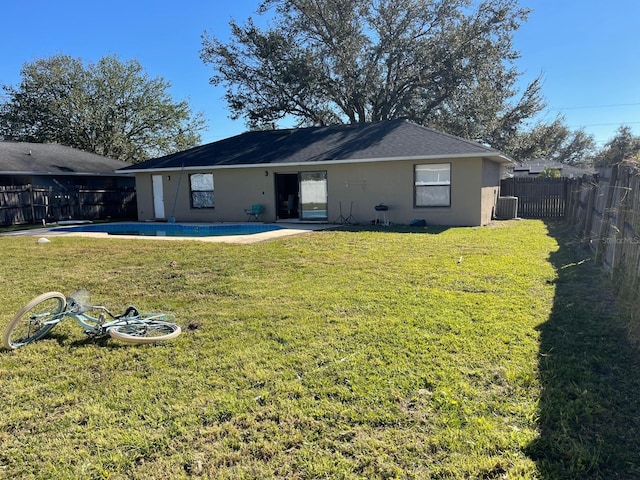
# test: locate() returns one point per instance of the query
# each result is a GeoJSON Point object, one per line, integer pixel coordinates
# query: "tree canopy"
{"type": "Point", "coordinates": [112, 108]}
{"type": "Point", "coordinates": [448, 64]}
{"type": "Point", "coordinates": [554, 141]}
{"type": "Point", "coordinates": [623, 146]}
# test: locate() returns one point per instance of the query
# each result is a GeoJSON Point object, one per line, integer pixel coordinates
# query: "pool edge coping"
{"type": "Point", "coordinates": [287, 230]}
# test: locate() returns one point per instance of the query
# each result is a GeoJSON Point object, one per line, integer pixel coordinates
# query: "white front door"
{"type": "Point", "coordinates": [158, 197]}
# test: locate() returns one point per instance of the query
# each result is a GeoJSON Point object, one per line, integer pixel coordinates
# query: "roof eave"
{"type": "Point", "coordinates": [118, 173]}
{"type": "Point", "coordinates": [494, 156]}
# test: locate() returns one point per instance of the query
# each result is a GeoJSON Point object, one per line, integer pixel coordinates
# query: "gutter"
{"type": "Point", "coordinates": [499, 158]}
{"type": "Point", "coordinates": [67, 174]}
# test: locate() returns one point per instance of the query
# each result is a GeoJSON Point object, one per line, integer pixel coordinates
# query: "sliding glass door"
{"type": "Point", "coordinates": [313, 196]}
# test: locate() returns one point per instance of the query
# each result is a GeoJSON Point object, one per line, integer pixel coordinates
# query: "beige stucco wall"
{"type": "Point", "coordinates": [491, 175]}
{"type": "Point", "coordinates": [369, 184]}
{"type": "Point", "coordinates": [474, 184]}
{"type": "Point", "coordinates": [235, 190]}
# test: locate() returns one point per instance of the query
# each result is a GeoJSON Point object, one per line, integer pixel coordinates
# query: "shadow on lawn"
{"type": "Point", "coordinates": [589, 411]}
{"type": "Point", "coordinates": [64, 340]}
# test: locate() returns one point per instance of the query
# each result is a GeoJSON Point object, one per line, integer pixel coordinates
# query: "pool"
{"type": "Point", "coordinates": [172, 229]}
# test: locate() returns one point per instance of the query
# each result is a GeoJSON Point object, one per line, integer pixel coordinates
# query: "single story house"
{"type": "Point", "coordinates": [534, 167]}
{"type": "Point", "coordinates": [326, 174]}
{"type": "Point", "coordinates": [53, 165]}
{"type": "Point", "coordinates": [51, 182]}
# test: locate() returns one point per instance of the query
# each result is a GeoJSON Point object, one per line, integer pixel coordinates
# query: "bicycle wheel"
{"type": "Point", "coordinates": [144, 331]}
{"type": "Point", "coordinates": [28, 325]}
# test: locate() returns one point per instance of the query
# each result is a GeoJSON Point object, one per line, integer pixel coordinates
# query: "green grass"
{"type": "Point", "coordinates": [418, 353]}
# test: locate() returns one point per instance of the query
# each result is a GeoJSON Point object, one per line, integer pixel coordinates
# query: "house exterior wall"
{"type": "Point", "coordinates": [491, 175]}
{"type": "Point", "coordinates": [369, 184]}
{"type": "Point", "coordinates": [358, 187]}
{"type": "Point", "coordinates": [234, 190]}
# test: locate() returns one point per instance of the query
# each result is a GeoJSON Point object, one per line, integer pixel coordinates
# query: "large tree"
{"type": "Point", "coordinates": [442, 63]}
{"type": "Point", "coordinates": [112, 108]}
{"type": "Point", "coordinates": [554, 141]}
{"type": "Point", "coordinates": [623, 146]}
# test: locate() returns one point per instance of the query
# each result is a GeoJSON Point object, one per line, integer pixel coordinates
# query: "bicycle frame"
{"type": "Point", "coordinates": [34, 321]}
{"type": "Point", "coordinates": [97, 327]}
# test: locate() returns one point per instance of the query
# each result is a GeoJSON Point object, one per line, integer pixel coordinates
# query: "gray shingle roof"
{"type": "Point", "coordinates": [53, 159]}
{"type": "Point", "coordinates": [394, 139]}
{"type": "Point", "coordinates": [536, 166]}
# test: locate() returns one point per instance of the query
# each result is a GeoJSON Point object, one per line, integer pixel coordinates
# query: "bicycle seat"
{"type": "Point", "coordinates": [79, 301]}
{"type": "Point", "coordinates": [131, 311]}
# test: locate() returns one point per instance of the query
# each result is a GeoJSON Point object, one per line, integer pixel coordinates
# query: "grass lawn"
{"type": "Point", "coordinates": [487, 353]}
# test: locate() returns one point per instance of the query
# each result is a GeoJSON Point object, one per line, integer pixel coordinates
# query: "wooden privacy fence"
{"type": "Point", "coordinates": [537, 197]}
{"type": "Point", "coordinates": [605, 211]}
{"type": "Point", "coordinates": [28, 204]}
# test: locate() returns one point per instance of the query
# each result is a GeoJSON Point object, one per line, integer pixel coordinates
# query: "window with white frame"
{"type": "Point", "coordinates": [433, 185]}
{"type": "Point", "coordinates": [201, 186]}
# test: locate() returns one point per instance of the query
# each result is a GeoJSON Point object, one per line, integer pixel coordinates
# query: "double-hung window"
{"type": "Point", "coordinates": [201, 187]}
{"type": "Point", "coordinates": [433, 185]}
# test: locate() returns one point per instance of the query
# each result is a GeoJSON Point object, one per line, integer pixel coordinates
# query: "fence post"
{"type": "Point", "coordinates": [592, 207]}
{"type": "Point", "coordinates": [31, 202]}
{"type": "Point", "coordinates": [603, 234]}
{"type": "Point", "coordinates": [79, 197]}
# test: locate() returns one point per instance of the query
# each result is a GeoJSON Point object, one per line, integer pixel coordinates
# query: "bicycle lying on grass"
{"type": "Point", "coordinates": [40, 315]}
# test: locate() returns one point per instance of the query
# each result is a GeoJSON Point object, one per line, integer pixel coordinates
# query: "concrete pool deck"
{"type": "Point", "coordinates": [287, 230]}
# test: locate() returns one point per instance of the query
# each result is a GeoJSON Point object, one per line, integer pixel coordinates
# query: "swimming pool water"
{"type": "Point", "coordinates": [172, 229]}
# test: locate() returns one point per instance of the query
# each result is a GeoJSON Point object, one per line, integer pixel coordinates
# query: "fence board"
{"type": "Point", "coordinates": [537, 197]}
{"type": "Point", "coordinates": [27, 204]}
{"type": "Point", "coordinates": [606, 214]}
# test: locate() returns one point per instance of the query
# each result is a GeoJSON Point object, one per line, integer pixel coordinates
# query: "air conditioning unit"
{"type": "Point", "coordinates": [507, 208]}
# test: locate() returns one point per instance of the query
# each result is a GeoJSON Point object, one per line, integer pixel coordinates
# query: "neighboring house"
{"type": "Point", "coordinates": [50, 182]}
{"type": "Point", "coordinates": [321, 173]}
{"type": "Point", "coordinates": [533, 168]}
{"type": "Point", "coordinates": [53, 165]}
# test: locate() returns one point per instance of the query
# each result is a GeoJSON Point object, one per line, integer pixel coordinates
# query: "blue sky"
{"type": "Point", "coordinates": [587, 51]}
